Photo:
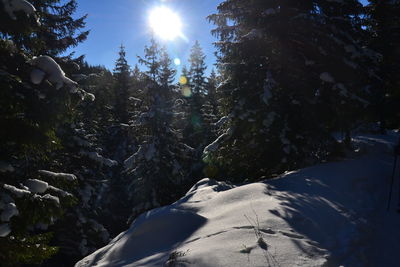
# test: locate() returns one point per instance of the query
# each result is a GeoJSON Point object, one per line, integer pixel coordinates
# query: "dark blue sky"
{"type": "Point", "coordinates": [126, 21]}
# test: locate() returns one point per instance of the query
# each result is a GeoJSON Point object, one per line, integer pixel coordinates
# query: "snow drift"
{"type": "Point", "coordinates": [327, 215]}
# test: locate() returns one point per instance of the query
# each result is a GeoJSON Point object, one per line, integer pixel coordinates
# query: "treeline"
{"type": "Point", "coordinates": [84, 150]}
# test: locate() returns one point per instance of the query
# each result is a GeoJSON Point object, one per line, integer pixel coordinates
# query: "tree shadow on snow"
{"type": "Point", "coordinates": [329, 204]}
{"type": "Point", "coordinates": [151, 238]}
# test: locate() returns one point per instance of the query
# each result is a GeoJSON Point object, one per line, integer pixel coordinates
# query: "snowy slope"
{"type": "Point", "coordinates": [327, 215]}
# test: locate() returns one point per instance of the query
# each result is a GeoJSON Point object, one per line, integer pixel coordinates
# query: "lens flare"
{"type": "Point", "coordinates": [183, 80]}
{"type": "Point", "coordinates": [165, 23]}
{"type": "Point", "coordinates": [186, 91]}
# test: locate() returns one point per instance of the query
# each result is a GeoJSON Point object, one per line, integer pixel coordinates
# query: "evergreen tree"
{"type": "Point", "coordinates": [167, 73]}
{"type": "Point", "coordinates": [286, 73]}
{"type": "Point", "coordinates": [382, 27]}
{"type": "Point", "coordinates": [151, 60]}
{"type": "Point", "coordinates": [155, 173]}
{"type": "Point", "coordinates": [122, 84]}
{"type": "Point", "coordinates": [197, 69]}
{"type": "Point", "coordinates": [197, 84]}
{"type": "Point", "coordinates": [36, 99]}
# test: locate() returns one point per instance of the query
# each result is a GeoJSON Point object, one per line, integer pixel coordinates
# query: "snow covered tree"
{"type": "Point", "coordinates": [288, 68]}
{"type": "Point", "coordinates": [197, 84]}
{"type": "Point", "coordinates": [155, 174]}
{"type": "Point", "coordinates": [37, 97]}
{"type": "Point", "coordinates": [197, 69]}
{"type": "Point", "coordinates": [122, 86]}
{"type": "Point", "coordinates": [167, 73]}
{"type": "Point", "coordinates": [54, 29]}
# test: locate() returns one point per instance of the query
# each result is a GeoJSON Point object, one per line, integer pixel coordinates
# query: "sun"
{"type": "Point", "coordinates": [165, 23]}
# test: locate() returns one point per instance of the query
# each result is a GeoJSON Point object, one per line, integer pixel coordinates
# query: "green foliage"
{"type": "Point", "coordinates": [30, 118]}
{"type": "Point", "coordinates": [122, 86]}
{"type": "Point", "coordinates": [292, 76]}
{"type": "Point", "coordinates": [18, 250]}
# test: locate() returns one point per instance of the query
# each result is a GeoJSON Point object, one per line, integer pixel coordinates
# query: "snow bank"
{"type": "Point", "coordinates": [325, 215]}
{"type": "Point", "coordinates": [53, 71]}
{"type": "Point", "coordinates": [58, 175]}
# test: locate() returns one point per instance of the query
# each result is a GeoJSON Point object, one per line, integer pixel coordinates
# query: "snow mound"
{"type": "Point", "coordinates": [327, 215]}
{"type": "Point", "coordinates": [167, 228]}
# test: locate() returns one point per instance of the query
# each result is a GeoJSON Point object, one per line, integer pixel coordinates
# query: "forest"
{"type": "Point", "coordinates": [85, 150]}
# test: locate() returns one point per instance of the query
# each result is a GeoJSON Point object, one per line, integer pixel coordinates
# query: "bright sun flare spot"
{"type": "Point", "coordinates": [165, 23]}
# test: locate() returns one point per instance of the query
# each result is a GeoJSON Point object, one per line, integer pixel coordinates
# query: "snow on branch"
{"type": "Point", "coordinates": [215, 145]}
{"type": "Point", "coordinates": [99, 158]}
{"type": "Point", "coordinates": [47, 67]}
{"type": "Point", "coordinates": [59, 175]}
{"type": "Point", "coordinates": [10, 210]}
{"type": "Point", "coordinates": [13, 6]}
{"type": "Point", "coordinates": [16, 191]}
{"type": "Point", "coordinates": [36, 186]}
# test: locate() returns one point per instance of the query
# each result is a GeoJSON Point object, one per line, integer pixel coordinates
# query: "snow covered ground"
{"type": "Point", "coordinates": [332, 214]}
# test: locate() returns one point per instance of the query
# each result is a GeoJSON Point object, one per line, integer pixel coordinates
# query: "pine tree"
{"type": "Point", "coordinates": [382, 27]}
{"type": "Point", "coordinates": [155, 173]}
{"type": "Point", "coordinates": [285, 74]}
{"type": "Point", "coordinates": [36, 99]}
{"type": "Point", "coordinates": [197, 83]}
{"type": "Point", "coordinates": [197, 69]}
{"type": "Point", "coordinates": [122, 86]}
{"type": "Point", "coordinates": [167, 73]}
{"type": "Point", "coordinates": [151, 60]}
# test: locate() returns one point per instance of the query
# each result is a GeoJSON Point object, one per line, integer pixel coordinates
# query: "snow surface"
{"type": "Point", "coordinates": [332, 214]}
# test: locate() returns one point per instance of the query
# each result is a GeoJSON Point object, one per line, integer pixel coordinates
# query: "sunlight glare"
{"type": "Point", "coordinates": [177, 61]}
{"type": "Point", "coordinates": [165, 23]}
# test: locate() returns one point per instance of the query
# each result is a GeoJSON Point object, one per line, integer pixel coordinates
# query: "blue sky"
{"type": "Point", "coordinates": [126, 21]}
